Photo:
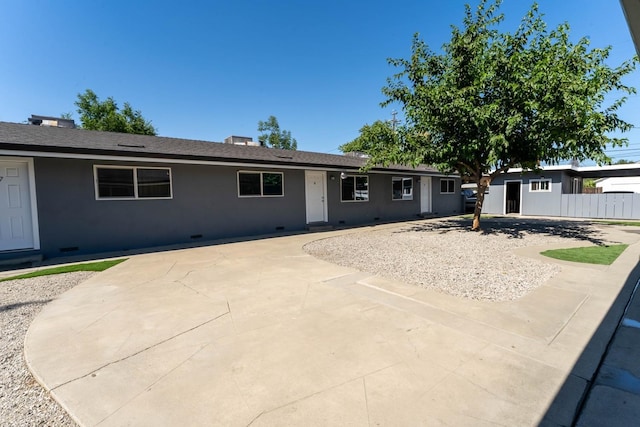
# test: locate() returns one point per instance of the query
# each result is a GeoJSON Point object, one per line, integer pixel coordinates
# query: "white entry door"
{"type": "Point", "coordinates": [315, 191]}
{"type": "Point", "coordinates": [425, 194]}
{"type": "Point", "coordinates": [16, 223]}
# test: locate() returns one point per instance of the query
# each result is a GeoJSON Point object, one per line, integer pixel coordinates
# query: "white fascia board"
{"type": "Point", "coordinates": [630, 166]}
{"type": "Point", "coordinates": [542, 168]}
{"type": "Point", "coordinates": [135, 159]}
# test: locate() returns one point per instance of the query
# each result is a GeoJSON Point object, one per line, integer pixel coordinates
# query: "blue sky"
{"type": "Point", "coordinates": [210, 69]}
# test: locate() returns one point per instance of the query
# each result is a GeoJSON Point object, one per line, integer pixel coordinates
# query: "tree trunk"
{"type": "Point", "coordinates": [483, 184]}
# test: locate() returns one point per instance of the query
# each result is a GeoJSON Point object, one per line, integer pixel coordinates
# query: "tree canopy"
{"type": "Point", "coordinates": [497, 100]}
{"type": "Point", "coordinates": [107, 116]}
{"type": "Point", "coordinates": [273, 137]}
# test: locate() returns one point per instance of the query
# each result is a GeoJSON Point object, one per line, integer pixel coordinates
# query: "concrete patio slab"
{"type": "Point", "coordinates": [260, 333]}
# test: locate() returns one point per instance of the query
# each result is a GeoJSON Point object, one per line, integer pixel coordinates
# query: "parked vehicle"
{"type": "Point", "coordinates": [470, 198]}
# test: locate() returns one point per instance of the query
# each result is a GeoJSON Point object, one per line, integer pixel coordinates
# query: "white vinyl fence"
{"type": "Point", "coordinates": [607, 205]}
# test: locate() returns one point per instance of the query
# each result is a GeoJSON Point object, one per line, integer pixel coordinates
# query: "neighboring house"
{"type": "Point", "coordinates": [557, 191]}
{"type": "Point", "coordinates": [72, 191]}
{"type": "Point", "coordinates": [51, 121]}
{"type": "Point", "coordinates": [625, 184]}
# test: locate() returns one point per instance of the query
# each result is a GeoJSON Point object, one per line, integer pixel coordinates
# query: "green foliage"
{"type": "Point", "coordinates": [92, 266]}
{"type": "Point", "coordinates": [604, 255]}
{"type": "Point", "coordinates": [107, 116]}
{"type": "Point", "coordinates": [273, 137]}
{"type": "Point", "coordinates": [589, 183]}
{"type": "Point", "coordinates": [624, 162]}
{"type": "Point", "coordinates": [373, 138]}
{"type": "Point", "coordinates": [497, 100]}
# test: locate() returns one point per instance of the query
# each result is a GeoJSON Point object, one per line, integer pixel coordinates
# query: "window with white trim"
{"type": "Point", "coordinates": [260, 184]}
{"type": "Point", "coordinates": [540, 185]}
{"type": "Point", "coordinates": [354, 188]}
{"type": "Point", "coordinates": [401, 188]}
{"type": "Point", "coordinates": [131, 182]}
{"type": "Point", "coordinates": [447, 186]}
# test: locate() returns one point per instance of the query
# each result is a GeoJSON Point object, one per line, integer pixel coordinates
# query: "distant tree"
{"type": "Point", "coordinates": [373, 138]}
{"type": "Point", "coordinates": [589, 183]}
{"type": "Point", "coordinates": [106, 116]}
{"type": "Point", "coordinates": [273, 137]}
{"type": "Point", "coordinates": [624, 162]}
{"type": "Point", "coordinates": [493, 101]}
{"type": "Point", "coordinates": [68, 116]}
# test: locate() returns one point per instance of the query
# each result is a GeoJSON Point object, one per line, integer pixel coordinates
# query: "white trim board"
{"type": "Point", "coordinates": [135, 159]}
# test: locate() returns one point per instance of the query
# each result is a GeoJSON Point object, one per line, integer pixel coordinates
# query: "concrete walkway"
{"type": "Point", "coordinates": [259, 333]}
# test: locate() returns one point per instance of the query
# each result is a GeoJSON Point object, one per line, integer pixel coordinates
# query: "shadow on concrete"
{"type": "Point", "coordinates": [13, 306]}
{"type": "Point", "coordinates": [88, 257]}
{"type": "Point", "coordinates": [516, 228]}
{"type": "Point", "coordinates": [568, 403]}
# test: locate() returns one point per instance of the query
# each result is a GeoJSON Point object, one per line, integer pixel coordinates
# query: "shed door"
{"type": "Point", "coordinates": [16, 228]}
{"type": "Point", "coordinates": [512, 197]}
{"type": "Point", "coordinates": [315, 190]}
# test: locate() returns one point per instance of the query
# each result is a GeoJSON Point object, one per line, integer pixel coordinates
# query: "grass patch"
{"type": "Point", "coordinates": [483, 216]}
{"type": "Point", "coordinates": [92, 266]}
{"type": "Point", "coordinates": [628, 223]}
{"type": "Point", "coordinates": [604, 255]}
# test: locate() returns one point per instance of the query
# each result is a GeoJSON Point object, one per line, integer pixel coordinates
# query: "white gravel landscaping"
{"type": "Point", "coordinates": [23, 402]}
{"type": "Point", "coordinates": [445, 256]}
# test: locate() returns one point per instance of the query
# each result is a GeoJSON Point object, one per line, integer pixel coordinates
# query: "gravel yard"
{"type": "Point", "coordinates": [445, 256]}
{"type": "Point", "coordinates": [22, 400]}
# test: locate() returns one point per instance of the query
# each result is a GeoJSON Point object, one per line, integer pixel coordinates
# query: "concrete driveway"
{"type": "Point", "coordinates": [260, 333]}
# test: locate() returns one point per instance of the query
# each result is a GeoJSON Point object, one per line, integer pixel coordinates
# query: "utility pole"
{"type": "Point", "coordinates": [394, 120]}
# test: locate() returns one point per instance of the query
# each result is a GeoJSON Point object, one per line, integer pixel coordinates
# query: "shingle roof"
{"type": "Point", "coordinates": [21, 137]}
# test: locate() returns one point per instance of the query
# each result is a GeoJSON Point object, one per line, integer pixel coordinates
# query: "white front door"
{"type": "Point", "coordinates": [315, 190]}
{"type": "Point", "coordinates": [425, 194]}
{"type": "Point", "coordinates": [16, 223]}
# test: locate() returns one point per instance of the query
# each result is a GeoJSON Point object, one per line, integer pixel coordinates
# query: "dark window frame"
{"type": "Point", "coordinates": [402, 180]}
{"type": "Point", "coordinates": [263, 184]}
{"type": "Point", "coordinates": [135, 183]}
{"type": "Point", "coordinates": [450, 186]}
{"type": "Point", "coordinates": [354, 180]}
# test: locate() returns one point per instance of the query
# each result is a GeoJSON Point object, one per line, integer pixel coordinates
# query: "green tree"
{"type": "Point", "coordinates": [107, 116]}
{"type": "Point", "coordinates": [373, 138]}
{"type": "Point", "coordinates": [497, 100]}
{"type": "Point", "coordinates": [624, 162]}
{"type": "Point", "coordinates": [273, 137]}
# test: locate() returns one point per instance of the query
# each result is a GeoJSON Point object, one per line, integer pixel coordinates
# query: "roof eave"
{"type": "Point", "coordinates": [44, 151]}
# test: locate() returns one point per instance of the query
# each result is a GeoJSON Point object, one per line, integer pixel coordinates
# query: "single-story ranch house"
{"type": "Point", "coordinates": [70, 191]}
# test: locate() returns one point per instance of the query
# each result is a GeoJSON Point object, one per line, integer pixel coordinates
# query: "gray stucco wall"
{"type": "Point", "coordinates": [379, 207]}
{"type": "Point", "coordinates": [205, 206]}
{"type": "Point", "coordinates": [448, 203]}
{"type": "Point", "coordinates": [205, 203]}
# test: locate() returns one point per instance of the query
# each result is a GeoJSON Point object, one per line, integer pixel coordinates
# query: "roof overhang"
{"type": "Point", "coordinates": [108, 156]}
{"type": "Point", "coordinates": [631, 10]}
{"type": "Point", "coordinates": [631, 169]}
